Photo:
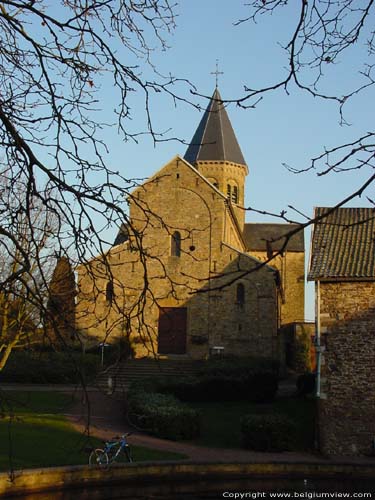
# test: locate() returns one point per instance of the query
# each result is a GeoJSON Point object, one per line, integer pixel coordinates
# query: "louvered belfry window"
{"type": "Point", "coordinates": [234, 194]}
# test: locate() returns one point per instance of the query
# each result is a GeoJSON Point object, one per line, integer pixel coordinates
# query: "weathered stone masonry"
{"type": "Point", "coordinates": [347, 410]}
{"type": "Point", "coordinates": [183, 277]}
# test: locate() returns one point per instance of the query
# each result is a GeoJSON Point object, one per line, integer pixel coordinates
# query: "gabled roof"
{"type": "Point", "coordinates": [256, 236]}
{"type": "Point", "coordinates": [214, 139]}
{"type": "Point", "coordinates": [159, 173]}
{"type": "Point", "coordinates": [253, 259]}
{"type": "Point", "coordinates": [343, 245]}
{"type": "Point", "coordinates": [122, 235]}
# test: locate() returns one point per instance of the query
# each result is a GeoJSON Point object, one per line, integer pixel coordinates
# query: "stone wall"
{"type": "Point", "coordinates": [220, 174]}
{"type": "Point", "coordinates": [347, 406]}
{"type": "Point", "coordinates": [291, 266]}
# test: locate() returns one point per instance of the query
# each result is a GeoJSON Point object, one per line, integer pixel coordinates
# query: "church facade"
{"type": "Point", "coordinates": [187, 276]}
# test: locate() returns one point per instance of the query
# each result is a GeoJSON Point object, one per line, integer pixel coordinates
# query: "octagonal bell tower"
{"type": "Point", "coordinates": [215, 152]}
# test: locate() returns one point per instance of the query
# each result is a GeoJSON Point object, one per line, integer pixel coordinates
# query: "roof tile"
{"type": "Point", "coordinates": [343, 244]}
{"type": "Point", "coordinates": [214, 139]}
{"type": "Point", "coordinates": [256, 236]}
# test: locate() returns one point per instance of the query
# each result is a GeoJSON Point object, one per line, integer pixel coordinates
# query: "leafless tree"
{"type": "Point", "coordinates": [322, 36]}
{"type": "Point", "coordinates": [54, 62]}
{"type": "Point", "coordinates": [26, 252]}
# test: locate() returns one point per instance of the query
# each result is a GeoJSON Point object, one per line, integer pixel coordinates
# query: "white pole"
{"type": "Point", "coordinates": [317, 339]}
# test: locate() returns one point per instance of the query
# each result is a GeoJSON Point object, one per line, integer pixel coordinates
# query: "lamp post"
{"type": "Point", "coordinates": [102, 346]}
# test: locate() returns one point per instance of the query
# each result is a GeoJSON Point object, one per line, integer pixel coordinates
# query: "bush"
{"type": "Point", "coordinates": [163, 415]}
{"type": "Point", "coordinates": [49, 367]}
{"type": "Point", "coordinates": [256, 387]}
{"type": "Point", "coordinates": [261, 387]}
{"type": "Point", "coordinates": [231, 365]}
{"type": "Point", "coordinates": [268, 433]}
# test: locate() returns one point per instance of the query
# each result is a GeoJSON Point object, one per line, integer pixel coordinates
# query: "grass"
{"type": "Point", "coordinates": [34, 433]}
{"type": "Point", "coordinates": [221, 422]}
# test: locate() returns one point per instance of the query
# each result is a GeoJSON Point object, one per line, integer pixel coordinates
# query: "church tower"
{"type": "Point", "coordinates": [216, 154]}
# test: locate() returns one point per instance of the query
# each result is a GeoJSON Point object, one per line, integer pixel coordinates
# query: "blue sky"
{"type": "Point", "coordinates": [281, 129]}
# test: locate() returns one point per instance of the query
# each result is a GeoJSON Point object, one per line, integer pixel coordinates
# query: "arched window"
{"type": "Point", "coordinates": [109, 292]}
{"type": "Point", "coordinates": [234, 194]}
{"type": "Point", "coordinates": [240, 294]}
{"type": "Point", "coordinates": [176, 244]}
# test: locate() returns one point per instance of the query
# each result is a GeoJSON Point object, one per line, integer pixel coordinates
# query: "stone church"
{"type": "Point", "coordinates": [186, 275]}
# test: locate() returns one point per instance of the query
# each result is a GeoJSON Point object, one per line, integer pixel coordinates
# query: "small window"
{"type": "Point", "coordinates": [109, 292]}
{"type": "Point", "coordinates": [213, 181]}
{"type": "Point", "coordinates": [240, 294]}
{"type": "Point", "coordinates": [176, 244]}
{"type": "Point", "coordinates": [229, 191]}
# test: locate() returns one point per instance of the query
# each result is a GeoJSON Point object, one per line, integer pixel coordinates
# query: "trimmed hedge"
{"type": "Point", "coordinates": [260, 387]}
{"type": "Point", "coordinates": [255, 387]}
{"type": "Point", "coordinates": [50, 367]}
{"type": "Point", "coordinates": [235, 366]}
{"type": "Point", "coordinates": [154, 404]}
{"type": "Point", "coordinates": [268, 432]}
{"type": "Point", "coordinates": [163, 415]}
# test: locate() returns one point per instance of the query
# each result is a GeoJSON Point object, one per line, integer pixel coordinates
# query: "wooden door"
{"type": "Point", "coordinates": [172, 330]}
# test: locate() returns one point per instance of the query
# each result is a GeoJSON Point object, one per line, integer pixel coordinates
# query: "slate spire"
{"type": "Point", "coordinates": [214, 139]}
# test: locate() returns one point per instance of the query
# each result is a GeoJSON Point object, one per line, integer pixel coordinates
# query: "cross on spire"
{"type": "Point", "coordinates": [217, 72]}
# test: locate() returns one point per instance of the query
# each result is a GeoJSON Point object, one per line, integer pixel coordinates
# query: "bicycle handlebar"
{"type": "Point", "coordinates": [123, 436]}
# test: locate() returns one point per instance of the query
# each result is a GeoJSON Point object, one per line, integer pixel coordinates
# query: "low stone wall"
{"type": "Point", "coordinates": [183, 477]}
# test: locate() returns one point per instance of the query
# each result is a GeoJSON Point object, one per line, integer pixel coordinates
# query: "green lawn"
{"type": "Point", "coordinates": [221, 428]}
{"type": "Point", "coordinates": [33, 433]}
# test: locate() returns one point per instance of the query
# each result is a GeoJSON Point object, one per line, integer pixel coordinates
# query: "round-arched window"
{"type": "Point", "coordinates": [176, 244]}
{"type": "Point", "coordinates": [240, 294]}
{"type": "Point", "coordinates": [109, 292]}
{"type": "Point", "coordinates": [232, 192]}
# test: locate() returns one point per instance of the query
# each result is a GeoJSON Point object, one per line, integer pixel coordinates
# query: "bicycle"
{"type": "Point", "coordinates": [103, 457]}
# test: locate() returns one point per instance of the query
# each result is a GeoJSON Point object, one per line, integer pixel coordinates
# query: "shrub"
{"type": "Point", "coordinates": [231, 365]}
{"type": "Point", "coordinates": [163, 415]}
{"type": "Point", "coordinates": [301, 349]}
{"type": "Point", "coordinates": [49, 367]}
{"type": "Point", "coordinates": [256, 387]}
{"type": "Point", "coordinates": [268, 432]}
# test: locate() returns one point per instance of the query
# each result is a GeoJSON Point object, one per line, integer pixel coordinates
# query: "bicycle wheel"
{"type": "Point", "coordinates": [99, 458]}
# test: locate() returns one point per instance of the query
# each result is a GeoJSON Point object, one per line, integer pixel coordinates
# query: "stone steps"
{"type": "Point", "coordinates": [119, 377]}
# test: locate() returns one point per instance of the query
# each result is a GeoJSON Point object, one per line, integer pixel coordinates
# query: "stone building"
{"type": "Point", "coordinates": [187, 275]}
{"type": "Point", "coordinates": [342, 265]}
